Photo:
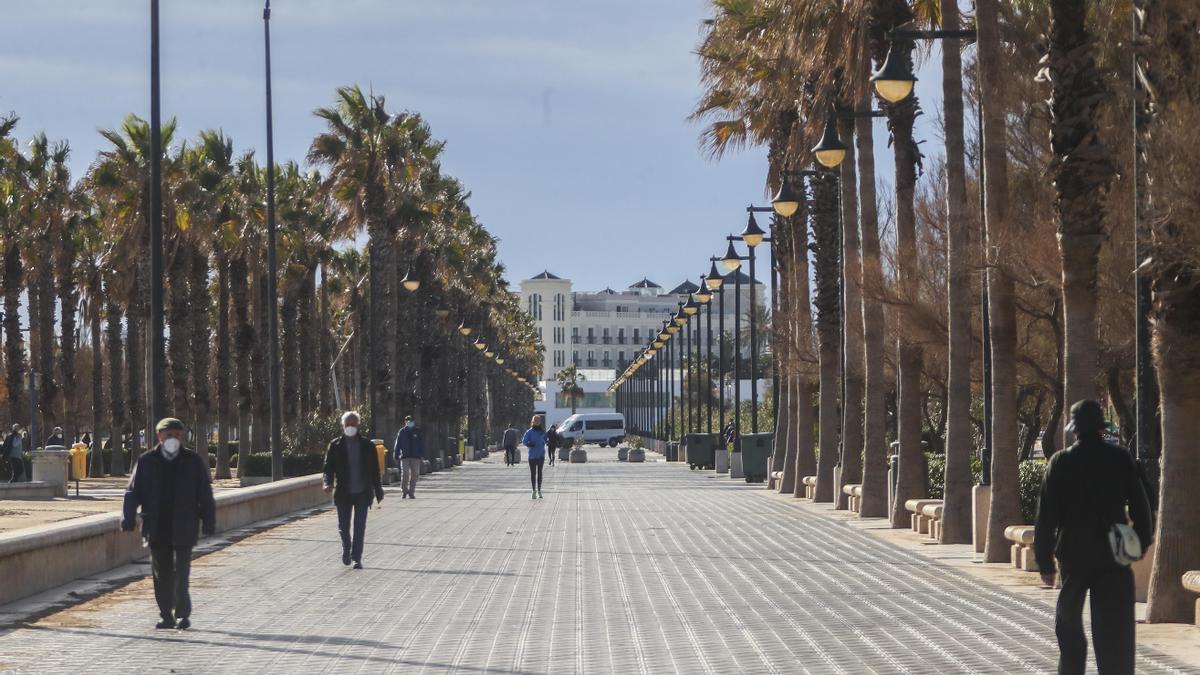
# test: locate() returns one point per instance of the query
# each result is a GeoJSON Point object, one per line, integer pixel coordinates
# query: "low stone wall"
{"type": "Point", "coordinates": [37, 558]}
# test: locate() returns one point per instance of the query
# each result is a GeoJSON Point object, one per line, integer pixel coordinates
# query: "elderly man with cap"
{"type": "Point", "coordinates": [172, 487]}
{"type": "Point", "coordinates": [1089, 489]}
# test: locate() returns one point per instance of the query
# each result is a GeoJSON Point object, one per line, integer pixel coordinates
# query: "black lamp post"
{"type": "Point", "coordinates": [272, 321]}
{"type": "Point", "coordinates": [716, 282]}
{"type": "Point", "coordinates": [733, 263]}
{"type": "Point", "coordinates": [703, 296]}
{"type": "Point", "coordinates": [157, 393]}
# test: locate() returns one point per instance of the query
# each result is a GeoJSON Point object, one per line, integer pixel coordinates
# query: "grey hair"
{"type": "Point", "coordinates": [350, 413]}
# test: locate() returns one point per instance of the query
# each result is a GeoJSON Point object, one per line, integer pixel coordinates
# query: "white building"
{"type": "Point", "coordinates": [603, 331]}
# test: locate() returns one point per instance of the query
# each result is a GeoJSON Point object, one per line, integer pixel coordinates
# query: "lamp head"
{"type": "Point", "coordinates": [464, 329]}
{"type": "Point", "coordinates": [690, 307]}
{"type": "Point", "coordinates": [786, 202]}
{"type": "Point", "coordinates": [753, 235]}
{"type": "Point", "coordinates": [703, 296]}
{"type": "Point", "coordinates": [830, 152]}
{"type": "Point", "coordinates": [410, 282]}
{"type": "Point", "coordinates": [480, 344]}
{"type": "Point", "coordinates": [714, 278]}
{"type": "Point", "coordinates": [731, 261]}
{"type": "Point", "coordinates": [894, 81]}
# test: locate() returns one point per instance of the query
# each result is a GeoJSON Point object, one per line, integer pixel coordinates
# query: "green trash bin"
{"type": "Point", "coordinates": [756, 449]}
{"type": "Point", "coordinates": [702, 450]}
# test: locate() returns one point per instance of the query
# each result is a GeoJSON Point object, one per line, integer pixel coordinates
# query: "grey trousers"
{"type": "Point", "coordinates": [410, 468]}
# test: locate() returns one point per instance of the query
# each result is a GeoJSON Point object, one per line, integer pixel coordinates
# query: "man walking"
{"type": "Point", "coordinates": [509, 441]}
{"type": "Point", "coordinates": [352, 474]}
{"type": "Point", "coordinates": [172, 487]}
{"type": "Point", "coordinates": [409, 452]}
{"type": "Point", "coordinates": [1085, 493]}
{"type": "Point", "coordinates": [14, 450]}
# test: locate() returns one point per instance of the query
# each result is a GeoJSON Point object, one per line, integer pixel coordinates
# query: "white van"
{"type": "Point", "coordinates": [603, 428]}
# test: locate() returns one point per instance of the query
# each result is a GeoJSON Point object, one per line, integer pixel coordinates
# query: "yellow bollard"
{"type": "Point", "coordinates": [78, 461]}
{"type": "Point", "coordinates": [381, 451]}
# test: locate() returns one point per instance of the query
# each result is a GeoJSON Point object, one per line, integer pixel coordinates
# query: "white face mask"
{"type": "Point", "coordinates": [350, 432]}
{"type": "Point", "coordinates": [171, 447]}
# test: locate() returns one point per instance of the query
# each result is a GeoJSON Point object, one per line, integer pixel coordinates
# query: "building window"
{"type": "Point", "coordinates": [637, 338]}
{"type": "Point", "coordinates": [535, 306]}
{"type": "Point", "coordinates": [575, 358]}
{"type": "Point", "coordinates": [620, 336]}
{"type": "Point", "coordinates": [575, 336]}
{"type": "Point", "coordinates": [560, 307]}
{"type": "Point", "coordinates": [591, 336]}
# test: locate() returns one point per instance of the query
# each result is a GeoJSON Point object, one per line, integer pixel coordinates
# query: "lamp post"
{"type": "Point", "coordinates": [272, 322]}
{"type": "Point", "coordinates": [156, 375]}
{"type": "Point", "coordinates": [703, 296]}
{"type": "Point", "coordinates": [733, 263]}
{"type": "Point", "coordinates": [716, 282]}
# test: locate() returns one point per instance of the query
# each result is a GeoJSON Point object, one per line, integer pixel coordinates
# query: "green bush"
{"type": "Point", "coordinates": [935, 473]}
{"type": "Point", "coordinates": [258, 464]}
{"type": "Point", "coordinates": [1031, 473]}
{"type": "Point", "coordinates": [311, 435]}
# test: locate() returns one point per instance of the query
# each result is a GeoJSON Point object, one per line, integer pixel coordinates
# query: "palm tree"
{"type": "Point", "coordinates": [1000, 233]}
{"type": "Point", "coordinates": [568, 385]}
{"type": "Point", "coordinates": [957, 522]}
{"type": "Point", "coordinates": [826, 277]}
{"type": "Point", "coordinates": [852, 332]}
{"type": "Point", "coordinates": [1083, 172]}
{"type": "Point", "coordinates": [1168, 62]}
{"type": "Point", "coordinates": [363, 152]}
{"type": "Point", "coordinates": [13, 195]}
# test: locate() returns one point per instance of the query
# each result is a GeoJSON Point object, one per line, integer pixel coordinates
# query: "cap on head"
{"type": "Point", "coordinates": [408, 418]}
{"type": "Point", "coordinates": [1087, 417]}
{"type": "Point", "coordinates": [169, 423]}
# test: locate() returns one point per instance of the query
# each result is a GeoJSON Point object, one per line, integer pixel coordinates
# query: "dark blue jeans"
{"type": "Point", "coordinates": [172, 568]}
{"type": "Point", "coordinates": [359, 504]}
{"type": "Point", "coordinates": [1113, 631]}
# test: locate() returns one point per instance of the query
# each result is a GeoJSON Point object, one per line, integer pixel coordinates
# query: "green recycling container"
{"type": "Point", "coordinates": [756, 449]}
{"type": "Point", "coordinates": [702, 450]}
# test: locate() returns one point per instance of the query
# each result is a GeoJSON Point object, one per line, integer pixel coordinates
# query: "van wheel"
{"type": "Point", "coordinates": [603, 444]}
{"type": "Point", "coordinates": [613, 442]}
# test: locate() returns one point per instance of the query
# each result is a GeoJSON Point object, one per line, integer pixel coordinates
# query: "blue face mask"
{"type": "Point", "coordinates": [410, 424]}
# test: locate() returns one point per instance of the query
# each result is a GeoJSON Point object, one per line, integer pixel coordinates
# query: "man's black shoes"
{"type": "Point", "coordinates": [184, 624]}
{"type": "Point", "coordinates": [165, 624]}
{"type": "Point", "coordinates": [357, 565]}
{"type": "Point", "coordinates": [345, 556]}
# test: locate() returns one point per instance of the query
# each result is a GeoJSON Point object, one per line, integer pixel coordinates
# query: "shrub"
{"type": "Point", "coordinates": [935, 473]}
{"type": "Point", "coordinates": [310, 435]}
{"type": "Point", "coordinates": [1031, 473]}
{"type": "Point", "coordinates": [258, 464]}
{"type": "Point", "coordinates": [634, 441]}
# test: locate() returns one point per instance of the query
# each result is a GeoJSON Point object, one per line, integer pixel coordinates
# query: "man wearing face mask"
{"type": "Point", "coordinates": [352, 474]}
{"type": "Point", "coordinates": [172, 487]}
{"type": "Point", "coordinates": [410, 451]}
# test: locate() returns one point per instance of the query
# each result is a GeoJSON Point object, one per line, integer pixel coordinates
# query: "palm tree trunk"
{"type": "Point", "coordinates": [135, 358]}
{"type": "Point", "coordinates": [201, 339]}
{"type": "Point", "coordinates": [1005, 507]}
{"type": "Point", "coordinates": [14, 342]}
{"type": "Point", "coordinates": [325, 348]}
{"type": "Point", "coordinates": [806, 461]}
{"type": "Point", "coordinates": [179, 341]}
{"type": "Point", "coordinates": [382, 335]}
{"type": "Point", "coordinates": [259, 401]}
{"type": "Point", "coordinates": [243, 345]}
{"type": "Point", "coordinates": [308, 335]}
{"type": "Point", "coordinates": [221, 372]}
{"type": "Point", "coordinates": [97, 462]}
{"type": "Point", "coordinates": [826, 276]}
{"type": "Point", "coordinates": [852, 325]}
{"type": "Point", "coordinates": [957, 519]}
{"type": "Point", "coordinates": [1082, 174]}
{"type": "Point", "coordinates": [289, 349]}
{"type": "Point", "coordinates": [1168, 51]}
{"type": "Point", "coordinates": [119, 420]}
{"type": "Point", "coordinates": [68, 297]}
{"type": "Point", "coordinates": [875, 450]}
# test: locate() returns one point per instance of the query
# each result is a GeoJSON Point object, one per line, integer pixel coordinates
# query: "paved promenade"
{"type": "Point", "coordinates": [620, 569]}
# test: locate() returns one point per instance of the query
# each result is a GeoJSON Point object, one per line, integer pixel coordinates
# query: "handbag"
{"type": "Point", "coordinates": [1125, 543]}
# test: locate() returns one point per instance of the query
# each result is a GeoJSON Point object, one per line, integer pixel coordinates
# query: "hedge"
{"type": "Point", "coordinates": [259, 464]}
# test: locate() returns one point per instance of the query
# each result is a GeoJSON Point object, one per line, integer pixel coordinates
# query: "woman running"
{"type": "Point", "coordinates": [535, 440]}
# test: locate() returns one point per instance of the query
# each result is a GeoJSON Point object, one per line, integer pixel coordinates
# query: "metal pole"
{"type": "Point", "coordinates": [721, 357]}
{"type": "Point", "coordinates": [687, 354]}
{"type": "Point", "coordinates": [699, 383]}
{"type": "Point", "coordinates": [708, 362]}
{"type": "Point", "coordinates": [272, 322]}
{"type": "Point", "coordinates": [753, 352]}
{"type": "Point", "coordinates": [985, 458]}
{"type": "Point", "coordinates": [737, 355]}
{"type": "Point", "coordinates": [775, 335]}
{"type": "Point", "coordinates": [158, 357]}
{"type": "Point", "coordinates": [671, 387]}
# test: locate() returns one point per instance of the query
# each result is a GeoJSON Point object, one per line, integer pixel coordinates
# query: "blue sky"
{"type": "Point", "coordinates": [566, 120]}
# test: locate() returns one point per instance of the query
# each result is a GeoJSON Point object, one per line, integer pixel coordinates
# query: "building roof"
{"type": "Point", "coordinates": [547, 275]}
{"type": "Point", "coordinates": [645, 283]}
{"type": "Point", "coordinates": [742, 277]}
{"type": "Point", "coordinates": [685, 288]}
{"type": "Point", "coordinates": [608, 291]}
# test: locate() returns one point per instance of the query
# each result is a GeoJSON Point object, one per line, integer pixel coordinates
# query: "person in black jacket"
{"type": "Point", "coordinates": [352, 474]}
{"type": "Point", "coordinates": [172, 486]}
{"type": "Point", "coordinates": [1087, 489]}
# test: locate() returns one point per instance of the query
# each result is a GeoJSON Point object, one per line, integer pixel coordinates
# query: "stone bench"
{"type": "Point", "coordinates": [920, 524]}
{"type": "Point", "coordinates": [810, 487]}
{"type": "Point", "coordinates": [1191, 582]}
{"type": "Point", "coordinates": [854, 492]}
{"type": "Point", "coordinates": [933, 513]}
{"type": "Point", "coordinates": [28, 490]}
{"type": "Point", "coordinates": [1022, 548]}
{"type": "Point", "coordinates": [637, 455]}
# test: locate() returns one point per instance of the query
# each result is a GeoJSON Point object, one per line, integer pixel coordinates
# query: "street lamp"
{"type": "Point", "coordinates": [894, 81]}
{"type": "Point", "coordinates": [732, 261]}
{"type": "Point", "coordinates": [753, 234]}
{"type": "Point", "coordinates": [480, 344]}
{"type": "Point", "coordinates": [276, 404]}
{"type": "Point", "coordinates": [410, 282]}
{"type": "Point", "coordinates": [714, 280]}
{"type": "Point", "coordinates": [690, 307]}
{"type": "Point", "coordinates": [442, 310]}
{"type": "Point", "coordinates": [830, 151]}
{"type": "Point", "coordinates": [464, 329]}
{"type": "Point", "coordinates": [786, 203]}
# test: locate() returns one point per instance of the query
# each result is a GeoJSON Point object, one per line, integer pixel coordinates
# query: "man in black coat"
{"type": "Point", "coordinates": [1087, 489]}
{"type": "Point", "coordinates": [172, 486]}
{"type": "Point", "coordinates": [352, 474]}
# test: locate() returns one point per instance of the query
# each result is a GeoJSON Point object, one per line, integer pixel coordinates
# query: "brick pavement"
{"type": "Point", "coordinates": [622, 568]}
